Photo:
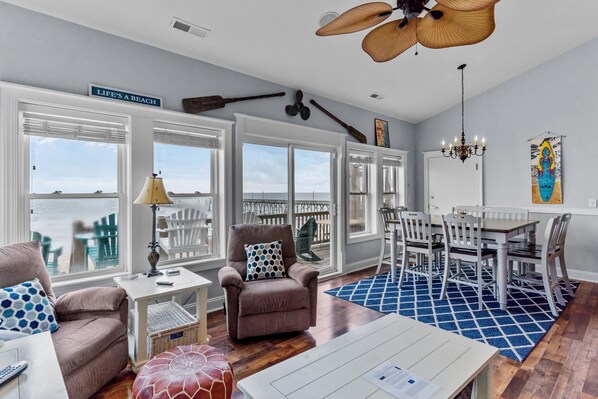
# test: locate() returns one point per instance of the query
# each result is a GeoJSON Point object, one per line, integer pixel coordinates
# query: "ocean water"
{"type": "Point", "coordinates": [55, 218]}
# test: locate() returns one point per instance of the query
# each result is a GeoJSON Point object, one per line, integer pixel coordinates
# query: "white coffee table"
{"type": "Point", "coordinates": [335, 369]}
{"type": "Point", "coordinates": [144, 290]}
{"type": "Point", "coordinates": [42, 378]}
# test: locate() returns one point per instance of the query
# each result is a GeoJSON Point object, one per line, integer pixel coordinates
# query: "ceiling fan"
{"type": "Point", "coordinates": [449, 23]}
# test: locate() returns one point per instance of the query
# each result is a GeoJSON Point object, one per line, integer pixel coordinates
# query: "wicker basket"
{"type": "Point", "coordinates": [168, 326]}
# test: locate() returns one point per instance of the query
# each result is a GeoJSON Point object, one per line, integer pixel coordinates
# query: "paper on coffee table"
{"type": "Point", "coordinates": [399, 382]}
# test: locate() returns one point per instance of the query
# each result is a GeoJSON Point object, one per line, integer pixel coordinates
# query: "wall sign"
{"type": "Point", "coordinates": [118, 94]}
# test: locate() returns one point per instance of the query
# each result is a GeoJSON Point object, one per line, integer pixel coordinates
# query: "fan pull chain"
{"type": "Point", "coordinates": [416, 52]}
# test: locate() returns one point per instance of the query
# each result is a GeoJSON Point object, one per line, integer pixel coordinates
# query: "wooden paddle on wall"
{"type": "Point", "coordinates": [195, 105]}
{"type": "Point", "coordinates": [350, 129]}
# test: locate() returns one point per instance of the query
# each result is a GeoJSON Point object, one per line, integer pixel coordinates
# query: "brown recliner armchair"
{"type": "Point", "coordinates": [269, 306]}
{"type": "Point", "coordinates": [91, 342]}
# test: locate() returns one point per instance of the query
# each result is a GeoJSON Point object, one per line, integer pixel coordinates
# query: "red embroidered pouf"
{"type": "Point", "coordinates": [185, 372]}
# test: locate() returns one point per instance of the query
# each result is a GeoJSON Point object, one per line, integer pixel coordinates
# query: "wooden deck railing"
{"type": "Point", "coordinates": [323, 219]}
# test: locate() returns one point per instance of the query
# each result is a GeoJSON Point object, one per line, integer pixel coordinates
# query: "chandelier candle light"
{"type": "Point", "coordinates": [154, 194]}
{"type": "Point", "coordinates": [460, 149]}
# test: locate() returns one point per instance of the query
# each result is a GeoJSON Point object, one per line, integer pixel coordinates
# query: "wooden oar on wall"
{"type": "Point", "coordinates": [195, 105]}
{"type": "Point", "coordinates": [350, 129]}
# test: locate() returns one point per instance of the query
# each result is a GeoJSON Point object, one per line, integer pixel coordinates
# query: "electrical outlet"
{"type": "Point", "coordinates": [593, 203]}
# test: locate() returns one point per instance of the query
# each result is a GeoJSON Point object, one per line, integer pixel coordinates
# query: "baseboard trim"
{"type": "Point", "coordinates": [214, 305]}
{"type": "Point", "coordinates": [360, 265]}
{"type": "Point", "coordinates": [583, 275]}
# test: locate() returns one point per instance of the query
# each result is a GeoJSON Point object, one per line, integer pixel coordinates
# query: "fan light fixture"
{"type": "Point", "coordinates": [449, 23]}
{"type": "Point", "coordinates": [461, 149]}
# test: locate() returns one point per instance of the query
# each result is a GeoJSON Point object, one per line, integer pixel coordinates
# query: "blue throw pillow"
{"type": "Point", "coordinates": [25, 307]}
{"type": "Point", "coordinates": [264, 261]}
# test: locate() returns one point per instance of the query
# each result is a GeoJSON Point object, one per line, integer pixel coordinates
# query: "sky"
{"type": "Point", "coordinates": [265, 169]}
{"type": "Point", "coordinates": [73, 166]}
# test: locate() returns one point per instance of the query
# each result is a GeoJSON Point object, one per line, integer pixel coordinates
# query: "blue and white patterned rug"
{"type": "Point", "coordinates": [514, 332]}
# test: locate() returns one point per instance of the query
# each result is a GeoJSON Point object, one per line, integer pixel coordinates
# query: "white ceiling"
{"type": "Point", "coordinates": [274, 40]}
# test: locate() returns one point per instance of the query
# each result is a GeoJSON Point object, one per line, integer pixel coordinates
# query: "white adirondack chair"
{"type": "Point", "coordinates": [187, 234]}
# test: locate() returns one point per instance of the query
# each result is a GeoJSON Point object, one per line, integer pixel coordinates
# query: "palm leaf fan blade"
{"type": "Point", "coordinates": [467, 5]}
{"type": "Point", "coordinates": [356, 19]}
{"type": "Point", "coordinates": [391, 39]}
{"type": "Point", "coordinates": [444, 27]}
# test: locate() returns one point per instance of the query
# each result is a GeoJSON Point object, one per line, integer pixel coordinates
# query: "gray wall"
{"type": "Point", "coordinates": [42, 51]}
{"type": "Point", "coordinates": [560, 96]}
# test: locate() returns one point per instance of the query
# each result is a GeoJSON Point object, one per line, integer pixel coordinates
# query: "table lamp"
{"type": "Point", "coordinates": [154, 194]}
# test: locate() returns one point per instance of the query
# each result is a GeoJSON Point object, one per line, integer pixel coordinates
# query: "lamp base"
{"type": "Point", "coordinates": [153, 259]}
{"type": "Point", "coordinates": [153, 272]}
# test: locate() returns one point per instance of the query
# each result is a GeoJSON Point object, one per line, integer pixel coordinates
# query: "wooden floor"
{"type": "Point", "coordinates": [564, 364]}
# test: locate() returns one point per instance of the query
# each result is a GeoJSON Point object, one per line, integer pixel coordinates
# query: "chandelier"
{"type": "Point", "coordinates": [461, 149]}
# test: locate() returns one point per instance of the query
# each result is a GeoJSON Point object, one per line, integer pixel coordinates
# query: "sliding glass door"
{"type": "Point", "coordinates": [265, 184]}
{"type": "Point", "coordinates": [293, 185]}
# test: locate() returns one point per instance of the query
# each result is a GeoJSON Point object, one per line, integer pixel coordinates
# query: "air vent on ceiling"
{"type": "Point", "coordinates": [187, 27]}
{"type": "Point", "coordinates": [377, 96]}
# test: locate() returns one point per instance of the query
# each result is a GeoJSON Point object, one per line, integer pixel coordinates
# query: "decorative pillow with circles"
{"type": "Point", "coordinates": [25, 308]}
{"type": "Point", "coordinates": [264, 261]}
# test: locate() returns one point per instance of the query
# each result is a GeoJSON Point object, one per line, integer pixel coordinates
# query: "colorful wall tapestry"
{"type": "Point", "coordinates": [546, 170]}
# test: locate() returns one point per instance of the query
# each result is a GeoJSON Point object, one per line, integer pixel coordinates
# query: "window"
{"type": "Point", "coordinates": [360, 198]}
{"type": "Point", "coordinates": [390, 181]}
{"type": "Point", "coordinates": [185, 157]}
{"type": "Point", "coordinates": [75, 194]}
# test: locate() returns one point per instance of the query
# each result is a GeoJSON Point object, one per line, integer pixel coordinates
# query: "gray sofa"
{"type": "Point", "coordinates": [271, 306]}
{"type": "Point", "coordinates": [91, 343]}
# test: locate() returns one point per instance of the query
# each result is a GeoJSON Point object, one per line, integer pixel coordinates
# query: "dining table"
{"type": "Point", "coordinates": [498, 230]}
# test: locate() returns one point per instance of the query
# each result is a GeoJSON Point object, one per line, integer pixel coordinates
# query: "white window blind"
{"type": "Point", "coordinates": [361, 158]}
{"type": "Point", "coordinates": [193, 136]}
{"type": "Point", "coordinates": [391, 161]}
{"type": "Point", "coordinates": [64, 123]}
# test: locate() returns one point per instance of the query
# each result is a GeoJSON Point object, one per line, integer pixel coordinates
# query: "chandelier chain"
{"type": "Point", "coordinates": [463, 100]}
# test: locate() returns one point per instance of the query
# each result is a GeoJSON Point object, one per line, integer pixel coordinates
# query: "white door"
{"type": "Point", "coordinates": [451, 182]}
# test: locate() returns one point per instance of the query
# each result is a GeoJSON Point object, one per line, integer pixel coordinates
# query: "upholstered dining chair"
{"type": "Point", "coordinates": [269, 306]}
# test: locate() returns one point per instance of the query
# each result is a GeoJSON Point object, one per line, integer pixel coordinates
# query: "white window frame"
{"type": "Point", "coordinates": [261, 131]}
{"type": "Point", "coordinates": [135, 220]}
{"type": "Point", "coordinates": [214, 195]}
{"type": "Point", "coordinates": [371, 232]}
{"type": "Point", "coordinates": [122, 162]}
{"type": "Point", "coordinates": [400, 176]}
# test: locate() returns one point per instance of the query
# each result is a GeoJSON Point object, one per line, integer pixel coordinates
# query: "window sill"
{"type": "Point", "coordinates": [196, 265]}
{"type": "Point", "coordinates": [103, 280]}
{"type": "Point", "coordinates": [106, 280]}
{"type": "Point", "coordinates": [363, 238]}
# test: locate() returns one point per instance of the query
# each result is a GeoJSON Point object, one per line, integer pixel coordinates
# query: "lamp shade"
{"type": "Point", "coordinates": [153, 192]}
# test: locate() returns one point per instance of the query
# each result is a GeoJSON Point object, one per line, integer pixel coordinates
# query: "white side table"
{"type": "Point", "coordinates": [143, 290]}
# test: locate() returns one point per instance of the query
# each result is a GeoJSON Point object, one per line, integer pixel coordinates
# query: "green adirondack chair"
{"type": "Point", "coordinates": [104, 252]}
{"type": "Point", "coordinates": [49, 254]}
{"type": "Point", "coordinates": [305, 239]}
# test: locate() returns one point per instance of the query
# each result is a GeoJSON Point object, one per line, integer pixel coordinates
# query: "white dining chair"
{"type": "Point", "coordinates": [473, 210]}
{"type": "Point", "coordinates": [560, 252]}
{"type": "Point", "coordinates": [505, 213]}
{"type": "Point", "coordinates": [386, 214]}
{"type": "Point", "coordinates": [418, 238]}
{"type": "Point", "coordinates": [463, 241]}
{"type": "Point", "coordinates": [544, 280]}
